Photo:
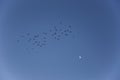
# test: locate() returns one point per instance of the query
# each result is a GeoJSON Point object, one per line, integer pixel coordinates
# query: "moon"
{"type": "Point", "coordinates": [80, 57]}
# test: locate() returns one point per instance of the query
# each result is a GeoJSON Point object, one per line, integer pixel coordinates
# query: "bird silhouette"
{"type": "Point", "coordinates": [41, 39]}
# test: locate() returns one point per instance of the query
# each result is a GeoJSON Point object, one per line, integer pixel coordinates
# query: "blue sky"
{"type": "Point", "coordinates": [43, 39]}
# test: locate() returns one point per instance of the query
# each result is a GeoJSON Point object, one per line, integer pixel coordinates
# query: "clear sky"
{"type": "Point", "coordinates": [59, 39]}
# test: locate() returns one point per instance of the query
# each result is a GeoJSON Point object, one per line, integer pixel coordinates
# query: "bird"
{"type": "Point", "coordinates": [28, 34]}
{"type": "Point", "coordinates": [69, 26]}
{"type": "Point", "coordinates": [18, 41]}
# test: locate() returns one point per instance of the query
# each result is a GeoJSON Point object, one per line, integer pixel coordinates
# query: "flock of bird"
{"type": "Point", "coordinates": [40, 39]}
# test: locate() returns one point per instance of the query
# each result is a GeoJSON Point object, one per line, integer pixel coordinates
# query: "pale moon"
{"type": "Point", "coordinates": [80, 57]}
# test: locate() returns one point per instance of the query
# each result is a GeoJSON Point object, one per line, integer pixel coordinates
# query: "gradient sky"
{"type": "Point", "coordinates": [89, 52]}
